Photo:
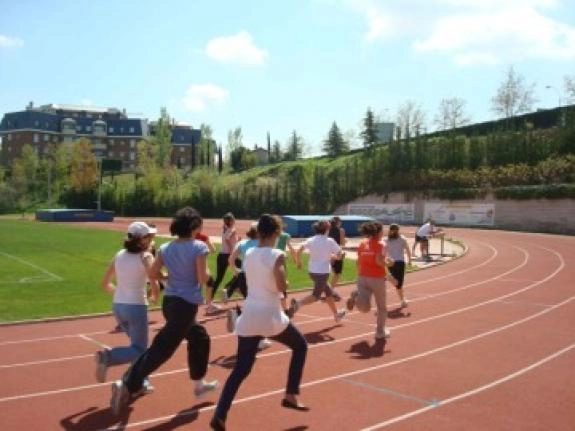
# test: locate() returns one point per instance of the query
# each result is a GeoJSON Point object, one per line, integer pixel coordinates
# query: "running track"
{"type": "Point", "coordinates": [488, 342]}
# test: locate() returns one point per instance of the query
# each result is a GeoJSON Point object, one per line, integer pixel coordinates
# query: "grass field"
{"type": "Point", "coordinates": [52, 270]}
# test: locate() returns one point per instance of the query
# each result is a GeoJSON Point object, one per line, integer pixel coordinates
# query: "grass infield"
{"type": "Point", "coordinates": [54, 270]}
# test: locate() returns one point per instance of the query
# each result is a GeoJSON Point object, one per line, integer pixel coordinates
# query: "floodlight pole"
{"type": "Point", "coordinates": [99, 201]}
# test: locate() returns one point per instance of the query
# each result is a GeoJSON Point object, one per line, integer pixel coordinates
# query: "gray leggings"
{"type": "Point", "coordinates": [366, 287]}
{"type": "Point", "coordinates": [320, 285]}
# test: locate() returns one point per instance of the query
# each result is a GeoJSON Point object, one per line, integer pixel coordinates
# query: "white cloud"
{"type": "Point", "coordinates": [86, 102]}
{"type": "Point", "coordinates": [10, 42]}
{"type": "Point", "coordinates": [472, 31]}
{"type": "Point", "coordinates": [199, 96]}
{"type": "Point", "coordinates": [239, 48]}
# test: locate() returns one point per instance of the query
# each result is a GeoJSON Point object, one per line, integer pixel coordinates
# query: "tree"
{"type": "Point", "coordinates": [369, 132]}
{"type": "Point", "coordinates": [206, 146]}
{"type": "Point", "coordinates": [294, 149]}
{"type": "Point", "coordinates": [335, 145]}
{"type": "Point", "coordinates": [569, 84]}
{"type": "Point", "coordinates": [84, 172]}
{"type": "Point", "coordinates": [235, 139]}
{"type": "Point", "coordinates": [163, 138]}
{"type": "Point", "coordinates": [451, 114]}
{"type": "Point", "coordinates": [276, 152]}
{"type": "Point", "coordinates": [410, 119]}
{"type": "Point", "coordinates": [513, 96]}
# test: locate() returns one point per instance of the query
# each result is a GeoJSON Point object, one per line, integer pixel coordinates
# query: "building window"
{"type": "Point", "coordinates": [36, 123]}
{"type": "Point", "coordinates": [36, 138]}
{"type": "Point", "coordinates": [132, 143]}
{"type": "Point", "coordinates": [110, 154]}
{"type": "Point", "coordinates": [182, 149]}
{"type": "Point", "coordinates": [9, 136]}
{"type": "Point", "coordinates": [46, 138]}
{"type": "Point", "coordinates": [88, 128]}
{"type": "Point", "coordinates": [78, 128]}
{"type": "Point", "coordinates": [122, 154]}
{"type": "Point", "coordinates": [131, 130]}
{"type": "Point", "coordinates": [111, 130]}
{"type": "Point", "coordinates": [132, 155]}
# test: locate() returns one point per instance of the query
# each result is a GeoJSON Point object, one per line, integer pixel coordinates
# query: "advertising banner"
{"type": "Point", "coordinates": [385, 213]}
{"type": "Point", "coordinates": [461, 213]}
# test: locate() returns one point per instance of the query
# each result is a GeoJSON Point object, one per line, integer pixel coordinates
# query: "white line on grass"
{"type": "Point", "coordinates": [35, 278]}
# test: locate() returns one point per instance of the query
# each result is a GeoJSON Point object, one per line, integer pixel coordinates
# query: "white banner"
{"type": "Point", "coordinates": [462, 213]}
{"type": "Point", "coordinates": [385, 213]}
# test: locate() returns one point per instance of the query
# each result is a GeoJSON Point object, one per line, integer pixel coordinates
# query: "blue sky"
{"type": "Point", "coordinates": [279, 66]}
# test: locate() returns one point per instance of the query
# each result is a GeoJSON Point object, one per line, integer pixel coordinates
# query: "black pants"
{"type": "Point", "coordinates": [237, 282]}
{"type": "Point", "coordinates": [180, 324]}
{"type": "Point", "coordinates": [221, 267]}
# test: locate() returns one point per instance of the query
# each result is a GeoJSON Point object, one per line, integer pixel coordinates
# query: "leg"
{"type": "Point", "coordinates": [364, 292]}
{"type": "Point", "coordinates": [179, 315]}
{"type": "Point", "coordinates": [293, 338]}
{"type": "Point", "coordinates": [135, 317]}
{"type": "Point", "coordinates": [221, 267]}
{"type": "Point", "coordinates": [246, 356]}
{"type": "Point", "coordinates": [379, 293]}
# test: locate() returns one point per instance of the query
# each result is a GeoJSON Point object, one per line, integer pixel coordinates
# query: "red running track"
{"type": "Point", "coordinates": [488, 342]}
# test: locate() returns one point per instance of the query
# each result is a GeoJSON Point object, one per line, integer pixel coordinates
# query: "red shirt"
{"type": "Point", "coordinates": [202, 237]}
{"type": "Point", "coordinates": [366, 257]}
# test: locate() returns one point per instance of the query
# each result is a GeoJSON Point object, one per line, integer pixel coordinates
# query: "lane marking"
{"type": "Point", "coordinates": [51, 276]}
{"type": "Point", "coordinates": [474, 391]}
{"type": "Point", "coordinates": [433, 402]}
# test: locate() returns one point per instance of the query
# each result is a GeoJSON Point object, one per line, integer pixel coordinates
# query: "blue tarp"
{"type": "Point", "coordinates": [301, 225]}
{"type": "Point", "coordinates": [74, 215]}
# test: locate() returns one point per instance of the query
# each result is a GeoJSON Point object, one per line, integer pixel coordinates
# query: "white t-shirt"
{"type": "Point", "coordinates": [321, 248]}
{"type": "Point", "coordinates": [425, 231]}
{"type": "Point", "coordinates": [262, 313]}
{"type": "Point", "coordinates": [131, 278]}
{"type": "Point", "coordinates": [396, 248]}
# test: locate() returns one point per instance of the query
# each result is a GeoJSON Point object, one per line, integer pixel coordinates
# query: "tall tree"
{"type": "Point", "coordinates": [451, 114]}
{"type": "Point", "coordinates": [569, 85]}
{"type": "Point", "coordinates": [335, 145]}
{"type": "Point", "coordinates": [410, 119]}
{"type": "Point", "coordinates": [205, 150]}
{"type": "Point", "coordinates": [369, 132]}
{"type": "Point", "coordinates": [163, 138]}
{"type": "Point", "coordinates": [513, 96]}
{"type": "Point", "coordinates": [294, 149]}
{"type": "Point", "coordinates": [84, 172]}
{"type": "Point", "coordinates": [276, 152]}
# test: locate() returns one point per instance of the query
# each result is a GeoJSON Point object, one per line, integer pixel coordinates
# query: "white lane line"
{"type": "Point", "coordinates": [416, 322]}
{"type": "Point", "coordinates": [46, 361]}
{"type": "Point", "coordinates": [433, 402]}
{"type": "Point", "coordinates": [52, 276]}
{"type": "Point", "coordinates": [377, 368]}
{"type": "Point", "coordinates": [473, 391]}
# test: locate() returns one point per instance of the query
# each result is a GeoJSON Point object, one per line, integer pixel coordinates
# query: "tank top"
{"type": "Point", "coordinates": [131, 278]}
{"type": "Point", "coordinates": [366, 255]}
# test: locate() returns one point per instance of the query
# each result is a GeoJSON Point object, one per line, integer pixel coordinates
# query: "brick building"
{"type": "Point", "coordinates": [114, 135]}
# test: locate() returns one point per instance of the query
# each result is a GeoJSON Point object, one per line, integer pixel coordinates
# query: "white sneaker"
{"type": "Point", "coordinates": [264, 344]}
{"type": "Point", "coordinates": [101, 358]}
{"type": "Point", "coordinates": [231, 317]}
{"type": "Point", "coordinates": [339, 315]}
{"type": "Point", "coordinates": [205, 388]}
{"type": "Point", "coordinates": [404, 303]}
{"type": "Point", "coordinates": [213, 308]}
{"type": "Point", "coordinates": [386, 334]}
{"type": "Point", "coordinates": [120, 397]}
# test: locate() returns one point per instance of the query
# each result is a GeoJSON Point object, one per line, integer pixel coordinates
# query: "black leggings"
{"type": "Point", "coordinates": [180, 324]}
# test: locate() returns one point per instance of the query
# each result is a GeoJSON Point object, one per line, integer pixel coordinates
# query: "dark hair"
{"type": "Point", "coordinates": [393, 231]}
{"type": "Point", "coordinates": [370, 228]}
{"type": "Point", "coordinates": [184, 222]}
{"type": "Point", "coordinates": [320, 226]}
{"type": "Point", "coordinates": [252, 232]}
{"type": "Point", "coordinates": [133, 244]}
{"type": "Point", "coordinates": [268, 225]}
{"type": "Point", "coordinates": [228, 219]}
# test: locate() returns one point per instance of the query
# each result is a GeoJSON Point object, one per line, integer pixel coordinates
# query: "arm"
{"type": "Point", "coordinates": [148, 261]}
{"type": "Point", "coordinates": [106, 282]}
{"type": "Point", "coordinates": [407, 251]}
{"type": "Point", "coordinates": [280, 274]}
{"type": "Point", "coordinates": [343, 239]}
{"type": "Point", "coordinates": [298, 256]}
{"type": "Point", "coordinates": [232, 259]}
{"type": "Point", "coordinates": [202, 271]}
{"type": "Point", "coordinates": [291, 249]}
{"type": "Point", "coordinates": [211, 247]}
{"type": "Point", "coordinates": [381, 258]}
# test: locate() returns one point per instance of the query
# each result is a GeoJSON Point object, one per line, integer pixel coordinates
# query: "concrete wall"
{"type": "Point", "coordinates": [535, 215]}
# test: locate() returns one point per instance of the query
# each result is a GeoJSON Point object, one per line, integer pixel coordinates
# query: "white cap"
{"type": "Point", "coordinates": [140, 229]}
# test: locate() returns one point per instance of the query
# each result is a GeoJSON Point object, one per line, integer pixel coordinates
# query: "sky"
{"type": "Point", "coordinates": [277, 66]}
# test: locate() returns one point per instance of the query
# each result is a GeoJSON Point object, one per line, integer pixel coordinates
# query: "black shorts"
{"type": "Point", "coordinates": [337, 266]}
{"type": "Point", "coordinates": [398, 272]}
{"type": "Point", "coordinates": [420, 238]}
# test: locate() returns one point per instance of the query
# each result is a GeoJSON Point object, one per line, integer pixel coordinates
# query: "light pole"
{"type": "Point", "coordinates": [561, 118]}
{"type": "Point", "coordinates": [548, 87]}
{"type": "Point", "coordinates": [99, 201]}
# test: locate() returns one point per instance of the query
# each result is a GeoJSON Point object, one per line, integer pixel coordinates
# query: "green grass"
{"type": "Point", "coordinates": [51, 270]}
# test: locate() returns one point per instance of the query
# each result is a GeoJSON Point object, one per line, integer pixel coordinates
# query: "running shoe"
{"type": "Point", "coordinates": [339, 315]}
{"type": "Point", "coordinates": [120, 397]}
{"type": "Point", "coordinates": [206, 388]}
{"type": "Point", "coordinates": [101, 358]}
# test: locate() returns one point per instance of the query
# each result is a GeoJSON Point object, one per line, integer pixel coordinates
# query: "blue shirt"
{"type": "Point", "coordinates": [243, 246]}
{"type": "Point", "coordinates": [180, 259]}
